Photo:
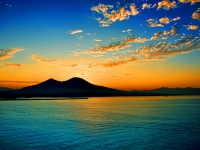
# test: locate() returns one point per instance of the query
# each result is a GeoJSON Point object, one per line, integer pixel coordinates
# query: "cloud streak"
{"type": "Point", "coordinates": [112, 47]}
{"type": "Point", "coordinates": [76, 31]}
{"type": "Point", "coordinates": [10, 64]}
{"type": "Point", "coordinates": [9, 52]}
{"type": "Point", "coordinates": [104, 65]}
{"type": "Point", "coordinates": [45, 60]}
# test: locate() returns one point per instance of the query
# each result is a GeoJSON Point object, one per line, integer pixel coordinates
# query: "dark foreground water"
{"type": "Point", "coordinates": [101, 123]}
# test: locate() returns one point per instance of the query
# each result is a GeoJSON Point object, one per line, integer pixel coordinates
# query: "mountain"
{"type": "Point", "coordinates": [173, 91]}
{"type": "Point", "coordinates": [5, 89]}
{"type": "Point", "coordinates": [74, 87]}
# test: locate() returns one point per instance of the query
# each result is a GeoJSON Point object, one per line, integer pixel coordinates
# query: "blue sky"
{"type": "Point", "coordinates": [88, 37]}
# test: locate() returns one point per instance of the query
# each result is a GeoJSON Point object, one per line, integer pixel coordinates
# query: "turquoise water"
{"type": "Point", "coordinates": [101, 123]}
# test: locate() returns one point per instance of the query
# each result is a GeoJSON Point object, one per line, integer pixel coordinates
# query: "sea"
{"type": "Point", "coordinates": [101, 123]}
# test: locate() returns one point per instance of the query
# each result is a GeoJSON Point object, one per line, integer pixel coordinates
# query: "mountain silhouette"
{"type": "Point", "coordinates": [78, 87]}
{"type": "Point", "coordinates": [74, 87]}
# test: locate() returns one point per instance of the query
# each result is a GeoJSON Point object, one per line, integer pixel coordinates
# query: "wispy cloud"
{"type": "Point", "coordinates": [146, 6]}
{"type": "Point", "coordinates": [175, 30]}
{"type": "Point", "coordinates": [166, 4]}
{"type": "Point", "coordinates": [97, 40]}
{"type": "Point", "coordinates": [196, 15]}
{"type": "Point", "coordinates": [156, 36]}
{"type": "Point", "coordinates": [162, 50]}
{"type": "Point", "coordinates": [9, 52]}
{"type": "Point", "coordinates": [104, 65]}
{"type": "Point", "coordinates": [10, 64]}
{"type": "Point", "coordinates": [112, 47]}
{"type": "Point", "coordinates": [137, 40]}
{"type": "Point", "coordinates": [177, 18]}
{"type": "Point", "coordinates": [45, 60]}
{"type": "Point", "coordinates": [164, 20]}
{"type": "Point", "coordinates": [110, 15]}
{"type": "Point", "coordinates": [192, 27]}
{"type": "Point", "coordinates": [127, 31]}
{"type": "Point", "coordinates": [190, 1]}
{"type": "Point", "coordinates": [153, 23]}
{"type": "Point", "coordinates": [76, 31]}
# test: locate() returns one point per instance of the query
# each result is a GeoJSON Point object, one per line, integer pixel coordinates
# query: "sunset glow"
{"type": "Point", "coordinates": [125, 44]}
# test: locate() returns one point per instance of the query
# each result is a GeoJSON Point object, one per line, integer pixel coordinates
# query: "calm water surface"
{"type": "Point", "coordinates": [101, 123]}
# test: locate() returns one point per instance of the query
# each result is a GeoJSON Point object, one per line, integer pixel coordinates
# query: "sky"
{"type": "Point", "coordinates": [127, 44]}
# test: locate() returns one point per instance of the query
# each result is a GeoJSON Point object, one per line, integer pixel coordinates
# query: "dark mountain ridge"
{"type": "Point", "coordinates": [74, 87]}
{"type": "Point", "coordinates": [78, 87]}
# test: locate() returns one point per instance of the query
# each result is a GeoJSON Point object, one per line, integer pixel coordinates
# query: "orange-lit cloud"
{"type": "Point", "coordinates": [153, 23]}
{"type": "Point", "coordinates": [166, 4]}
{"type": "Point", "coordinates": [10, 64]}
{"type": "Point", "coordinates": [177, 18]}
{"type": "Point", "coordinates": [111, 16]}
{"type": "Point", "coordinates": [101, 8]}
{"type": "Point", "coordinates": [196, 15]}
{"type": "Point", "coordinates": [137, 40]}
{"type": "Point", "coordinates": [192, 27]}
{"type": "Point", "coordinates": [104, 65]}
{"type": "Point", "coordinates": [164, 20]}
{"type": "Point", "coordinates": [175, 30]}
{"type": "Point", "coordinates": [134, 10]}
{"type": "Point", "coordinates": [156, 36]}
{"type": "Point", "coordinates": [166, 32]}
{"type": "Point", "coordinates": [152, 52]}
{"type": "Point", "coordinates": [112, 47]}
{"type": "Point", "coordinates": [190, 1]}
{"type": "Point", "coordinates": [45, 60]}
{"type": "Point", "coordinates": [9, 52]}
{"type": "Point", "coordinates": [146, 6]}
{"type": "Point", "coordinates": [185, 44]}
{"type": "Point", "coordinates": [76, 31]}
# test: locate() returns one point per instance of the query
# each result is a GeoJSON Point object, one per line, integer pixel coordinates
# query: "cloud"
{"type": "Point", "coordinates": [152, 52]}
{"type": "Point", "coordinates": [134, 10]}
{"type": "Point", "coordinates": [45, 60]}
{"type": "Point", "coordinates": [192, 27]}
{"type": "Point", "coordinates": [175, 30]}
{"type": "Point", "coordinates": [166, 4]}
{"type": "Point", "coordinates": [177, 18]}
{"type": "Point", "coordinates": [19, 81]}
{"type": "Point", "coordinates": [127, 31]}
{"type": "Point", "coordinates": [190, 1]}
{"type": "Point", "coordinates": [146, 6]}
{"type": "Point", "coordinates": [164, 20]}
{"type": "Point", "coordinates": [112, 47]}
{"type": "Point", "coordinates": [10, 64]}
{"type": "Point", "coordinates": [82, 74]}
{"type": "Point", "coordinates": [196, 15]}
{"type": "Point", "coordinates": [162, 50]}
{"type": "Point", "coordinates": [153, 23]}
{"type": "Point", "coordinates": [156, 36]}
{"type": "Point", "coordinates": [104, 65]}
{"type": "Point", "coordinates": [137, 40]}
{"type": "Point", "coordinates": [154, 6]}
{"type": "Point", "coordinates": [110, 16]}
{"type": "Point", "coordinates": [8, 52]}
{"type": "Point", "coordinates": [97, 40]}
{"type": "Point", "coordinates": [166, 32]}
{"type": "Point", "coordinates": [101, 8]}
{"type": "Point", "coordinates": [76, 31]}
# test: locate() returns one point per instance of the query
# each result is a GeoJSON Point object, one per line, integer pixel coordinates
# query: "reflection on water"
{"type": "Point", "coordinates": [101, 123]}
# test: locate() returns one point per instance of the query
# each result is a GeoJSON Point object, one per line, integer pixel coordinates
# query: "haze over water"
{"type": "Point", "coordinates": [101, 123]}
